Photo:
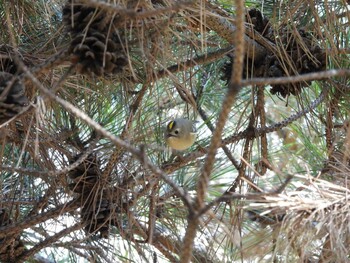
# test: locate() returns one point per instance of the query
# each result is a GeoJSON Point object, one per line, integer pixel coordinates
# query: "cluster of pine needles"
{"type": "Point", "coordinates": [86, 89]}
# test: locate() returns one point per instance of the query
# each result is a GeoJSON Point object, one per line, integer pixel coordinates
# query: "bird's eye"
{"type": "Point", "coordinates": [176, 131]}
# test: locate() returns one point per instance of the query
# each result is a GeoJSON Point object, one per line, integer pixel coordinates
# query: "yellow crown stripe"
{"type": "Point", "coordinates": [170, 125]}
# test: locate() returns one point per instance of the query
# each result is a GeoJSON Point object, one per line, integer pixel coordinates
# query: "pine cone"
{"type": "Point", "coordinates": [260, 23]}
{"type": "Point", "coordinates": [78, 17]}
{"type": "Point", "coordinates": [96, 208]}
{"type": "Point", "coordinates": [85, 175]}
{"type": "Point", "coordinates": [99, 211]}
{"type": "Point", "coordinates": [4, 218]}
{"type": "Point", "coordinates": [12, 98]}
{"type": "Point", "coordinates": [96, 50]}
{"type": "Point", "coordinates": [6, 61]}
{"type": "Point", "coordinates": [226, 70]}
{"type": "Point", "coordinates": [88, 168]}
{"type": "Point", "coordinates": [96, 213]}
{"type": "Point", "coordinates": [12, 247]}
{"type": "Point", "coordinates": [98, 202]}
{"type": "Point", "coordinates": [98, 55]}
{"type": "Point", "coordinates": [306, 57]}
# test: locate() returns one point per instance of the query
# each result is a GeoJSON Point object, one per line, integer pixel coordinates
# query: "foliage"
{"type": "Point", "coordinates": [87, 87]}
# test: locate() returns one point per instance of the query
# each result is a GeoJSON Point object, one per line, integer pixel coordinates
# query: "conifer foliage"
{"type": "Point", "coordinates": [87, 88]}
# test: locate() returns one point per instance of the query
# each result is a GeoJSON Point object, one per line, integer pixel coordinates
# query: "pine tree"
{"type": "Point", "coordinates": [88, 87]}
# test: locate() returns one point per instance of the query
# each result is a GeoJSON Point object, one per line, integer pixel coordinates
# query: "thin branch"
{"type": "Point", "coordinates": [49, 63]}
{"type": "Point", "coordinates": [224, 28]}
{"type": "Point", "coordinates": [199, 60]}
{"type": "Point", "coordinates": [260, 109]}
{"type": "Point", "coordinates": [45, 174]}
{"type": "Point", "coordinates": [16, 228]}
{"type": "Point", "coordinates": [131, 14]}
{"type": "Point", "coordinates": [226, 150]}
{"type": "Point", "coordinates": [47, 242]}
{"type": "Point", "coordinates": [124, 135]}
{"type": "Point", "coordinates": [233, 89]}
{"type": "Point", "coordinates": [226, 197]}
{"type": "Point", "coordinates": [293, 79]}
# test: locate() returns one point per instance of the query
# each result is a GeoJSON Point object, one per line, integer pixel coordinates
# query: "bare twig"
{"type": "Point", "coordinates": [16, 228]}
{"type": "Point", "coordinates": [203, 181]}
{"type": "Point", "coordinates": [234, 87]}
{"type": "Point", "coordinates": [131, 14]}
{"type": "Point", "coordinates": [224, 27]}
{"type": "Point", "coordinates": [199, 60]}
{"type": "Point", "coordinates": [293, 79]}
{"type": "Point", "coordinates": [47, 242]}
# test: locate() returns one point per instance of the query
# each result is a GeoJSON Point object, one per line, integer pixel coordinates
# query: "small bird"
{"type": "Point", "coordinates": [180, 134]}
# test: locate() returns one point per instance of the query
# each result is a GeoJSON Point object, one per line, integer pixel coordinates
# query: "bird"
{"type": "Point", "coordinates": [180, 134]}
